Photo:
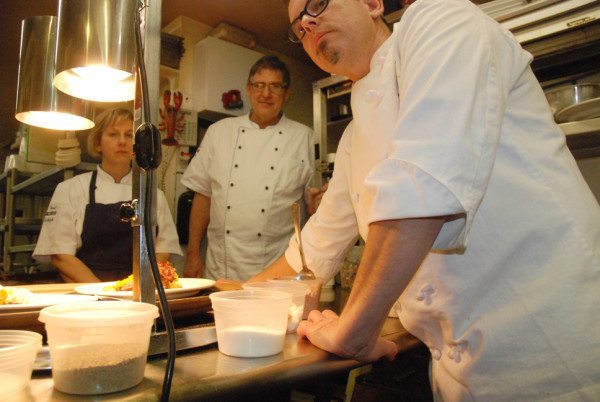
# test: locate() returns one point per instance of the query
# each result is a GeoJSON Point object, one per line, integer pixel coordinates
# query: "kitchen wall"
{"type": "Point", "coordinates": [299, 107]}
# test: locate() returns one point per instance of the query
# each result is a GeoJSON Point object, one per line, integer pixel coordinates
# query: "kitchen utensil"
{"type": "Point", "coordinates": [305, 273]}
{"type": "Point", "coordinates": [251, 323]}
{"type": "Point", "coordinates": [574, 102]}
{"type": "Point", "coordinates": [17, 354]}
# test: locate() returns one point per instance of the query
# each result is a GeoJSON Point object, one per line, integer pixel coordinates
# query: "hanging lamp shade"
{"type": "Point", "coordinates": [95, 57]}
{"type": "Point", "coordinates": [38, 102]}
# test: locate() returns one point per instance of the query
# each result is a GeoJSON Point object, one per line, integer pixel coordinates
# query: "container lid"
{"type": "Point", "coordinates": [98, 313]}
{"type": "Point", "coordinates": [252, 297]}
{"type": "Point", "coordinates": [295, 288]}
{"type": "Point", "coordinates": [15, 341]}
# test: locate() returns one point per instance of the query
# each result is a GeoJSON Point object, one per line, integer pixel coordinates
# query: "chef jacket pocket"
{"type": "Point", "coordinates": [292, 175]}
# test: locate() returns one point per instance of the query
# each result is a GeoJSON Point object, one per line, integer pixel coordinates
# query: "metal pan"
{"type": "Point", "coordinates": [574, 102]}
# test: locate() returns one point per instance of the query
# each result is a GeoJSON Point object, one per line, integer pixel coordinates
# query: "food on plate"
{"type": "Point", "coordinates": [10, 295]}
{"type": "Point", "coordinates": [168, 277]}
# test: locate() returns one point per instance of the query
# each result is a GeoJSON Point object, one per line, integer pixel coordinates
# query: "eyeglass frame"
{"type": "Point", "coordinates": [291, 34]}
{"type": "Point", "coordinates": [260, 86]}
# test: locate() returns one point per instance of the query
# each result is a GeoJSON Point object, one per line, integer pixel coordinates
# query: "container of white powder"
{"type": "Point", "coordinates": [251, 322]}
{"type": "Point", "coordinates": [298, 290]}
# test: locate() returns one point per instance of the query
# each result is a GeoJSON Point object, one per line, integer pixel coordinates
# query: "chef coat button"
{"type": "Point", "coordinates": [228, 206]}
{"type": "Point", "coordinates": [231, 184]}
{"type": "Point", "coordinates": [281, 132]}
{"type": "Point", "coordinates": [276, 149]}
{"type": "Point", "coordinates": [227, 231]}
{"type": "Point", "coordinates": [272, 167]}
{"type": "Point", "coordinates": [262, 210]}
{"type": "Point", "coordinates": [239, 147]}
{"type": "Point", "coordinates": [243, 131]}
{"type": "Point", "coordinates": [266, 187]}
{"type": "Point", "coordinates": [235, 165]}
{"type": "Point", "coordinates": [259, 235]}
{"type": "Point", "coordinates": [436, 354]}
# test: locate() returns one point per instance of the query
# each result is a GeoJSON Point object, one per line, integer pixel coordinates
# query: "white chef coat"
{"type": "Point", "coordinates": [451, 121]}
{"type": "Point", "coordinates": [252, 176]}
{"type": "Point", "coordinates": [63, 223]}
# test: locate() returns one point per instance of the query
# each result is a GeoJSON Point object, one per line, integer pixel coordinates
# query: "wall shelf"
{"type": "Point", "coordinates": [33, 188]}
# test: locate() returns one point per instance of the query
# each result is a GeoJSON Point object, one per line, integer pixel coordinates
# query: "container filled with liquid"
{"type": "Point", "coordinates": [252, 322]}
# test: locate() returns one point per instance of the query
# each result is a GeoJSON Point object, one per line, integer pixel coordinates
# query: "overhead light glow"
{"type": "Point", "coordinates": [55, 120]}
{"type": "Point", "coordinates": [101, 86]}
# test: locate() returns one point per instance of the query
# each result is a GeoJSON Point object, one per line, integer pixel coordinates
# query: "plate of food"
{"type": "Point", "coordinates": [21, 299]}
{"type": "Point", "coordinates": [175, 287]}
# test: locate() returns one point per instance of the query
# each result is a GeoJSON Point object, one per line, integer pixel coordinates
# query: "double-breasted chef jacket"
{"type": "Point", "coordinates": [450, 121]}
{"type": "Point", "coordinates": [71, 217]}
{"type": "Point", "coordinates": [252, 176]}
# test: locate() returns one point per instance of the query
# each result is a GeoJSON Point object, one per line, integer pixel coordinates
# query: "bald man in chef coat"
{"type": "Point", "coordinates": [472, 208]}
{"type": "Point", "coordinates": [246, 174]}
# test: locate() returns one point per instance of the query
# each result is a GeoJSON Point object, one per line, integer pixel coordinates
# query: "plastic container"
{"type": "Point", "coordinates": [313, 297]}
{"type": "Point", "coordinates": [98, 347]}
{"type": "Point", "coordinates": [251, 323]}
{"type": "Point", "coordinates": [298, 290]}
{"type": "Point", "coordinates": [17, 354]}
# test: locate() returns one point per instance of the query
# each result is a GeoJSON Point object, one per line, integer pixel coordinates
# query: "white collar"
{"type": "Point", "coordinates": [102, 175]}
{"type": "Point", "coordinates": [252, 124]}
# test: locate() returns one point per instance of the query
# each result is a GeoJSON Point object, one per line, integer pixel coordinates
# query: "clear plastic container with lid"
{"type": "Point", "coordinates": [98, 347]}
{"type": "Point", "coordinates": [17, 354]}
{"type": "Point", "coordinates": [251, 322]}
{"type": "Point", "coordinates": [298, 290]}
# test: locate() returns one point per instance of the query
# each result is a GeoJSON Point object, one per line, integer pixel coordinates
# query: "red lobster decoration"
{"type": "Point", "coordinates": [172, 119]}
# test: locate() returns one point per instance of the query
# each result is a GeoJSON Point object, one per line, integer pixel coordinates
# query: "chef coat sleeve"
{"type": "Point", "coordinates": [59, 230]}
{"type": "Point", "coordinates": [445, 138]}
{"type": "Point", "coordinates": [332, 230]}
{"type": "Point", "coordinates": [196, 177]}
{"type": "Point", "coordinates": [167, 240]}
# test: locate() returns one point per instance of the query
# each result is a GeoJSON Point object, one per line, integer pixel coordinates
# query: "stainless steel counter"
{"type": "Point", "coordinates": [207, 374]}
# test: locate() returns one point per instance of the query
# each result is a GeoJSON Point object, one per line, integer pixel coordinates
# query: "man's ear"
{"type": "Point", "coordinates": [375, 8]}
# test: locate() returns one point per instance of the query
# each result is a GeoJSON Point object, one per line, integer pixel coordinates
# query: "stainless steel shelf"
{"type": "Point", "coordinates": [591, 126]}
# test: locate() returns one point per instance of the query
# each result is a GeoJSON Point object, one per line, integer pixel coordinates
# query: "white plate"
{"type": "Point", "coordinates": [41, 300]}
{"type": "Point", "coordinates": [191, 286]}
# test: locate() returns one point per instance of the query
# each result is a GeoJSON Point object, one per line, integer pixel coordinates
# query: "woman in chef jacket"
{"type": "Point", "coordinates": [82, 233]}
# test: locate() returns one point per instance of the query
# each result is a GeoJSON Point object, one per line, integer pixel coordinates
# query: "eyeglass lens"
{"type": "Point", "coordinates": [274, 87]}
{"type": "Point", "coordinates": [314, 8]}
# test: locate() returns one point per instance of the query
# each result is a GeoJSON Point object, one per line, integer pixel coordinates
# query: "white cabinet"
{"type": "Point", "coordinates": [220, 67]}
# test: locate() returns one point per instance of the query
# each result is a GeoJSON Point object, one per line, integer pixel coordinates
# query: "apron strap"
{"type": "Point", "coordinates": [92, 188]}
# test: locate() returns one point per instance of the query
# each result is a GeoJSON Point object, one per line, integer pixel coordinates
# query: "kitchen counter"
{"type": "Point", "coordinates": [207, 374]}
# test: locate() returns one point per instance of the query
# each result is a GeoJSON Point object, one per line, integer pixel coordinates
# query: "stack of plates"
{"type": "Point", "coordinates": [69, 153]}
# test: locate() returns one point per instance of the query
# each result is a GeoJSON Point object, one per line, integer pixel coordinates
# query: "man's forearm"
{"type": "Point", "coordinates": [394, 251]}
{"type": "Point", "coordinates": [276, 270]}
{"type": "Point", "coordinates": [199, 218]}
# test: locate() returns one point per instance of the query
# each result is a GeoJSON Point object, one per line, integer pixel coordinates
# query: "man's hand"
{"type": "Point", "coordinates": [193, 267]}
{"type": "Point", "coordinates": [313, 197]}
{"type": "Point", "coordinates": [322, 330]}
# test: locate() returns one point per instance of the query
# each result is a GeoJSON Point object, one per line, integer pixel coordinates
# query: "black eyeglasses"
{"type": "Point", "coordinates": [276, 88]}
{"type": "Point", "coordinates": [314, 8]}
